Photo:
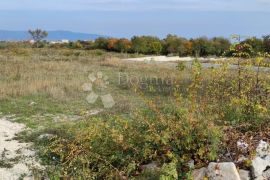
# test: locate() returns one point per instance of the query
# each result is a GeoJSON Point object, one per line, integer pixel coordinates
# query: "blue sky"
{"type": "Point", "coordinates": [124, 18]}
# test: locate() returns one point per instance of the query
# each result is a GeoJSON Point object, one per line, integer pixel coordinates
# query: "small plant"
{"type": "Point", "coordinates": [181, 66]}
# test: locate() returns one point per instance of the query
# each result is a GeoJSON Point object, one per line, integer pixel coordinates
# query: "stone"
{"type": "Point", "coordinates": [244, 175]}
{"type": "Point", "coordinates": [222, 171]}
{"type": "Point", "coordinates": [267, 158]}
{"type": "Point", "coordinates": [263, 149]}
{"type": "Point", "coordinates": [151, 166]}
{"type": "Point", "coordinates": [260, 178]}
{"type": "Point", "coordinates": [266, 174]}
{"type": "Point", "coordinates": [242, 159]}
{"type": "Point", "coordinates": [93, 112]}
{"type": "Point", "coordinates": [199, 174]}
{"type": "Point", "coordinates": [74, 118]}
{"type": "Point", "coordinates": [65, 118]}
{"type": "Point", "coordinates": [259, 165]}
{"type": "Point", "coordinates": [242, 145]}
{"type": "Point", "coordinates": [191, 164]}
{"type": "Point", "coordinates": [45, 136]}
{"type": "Point", "coordinates": [32, 103]}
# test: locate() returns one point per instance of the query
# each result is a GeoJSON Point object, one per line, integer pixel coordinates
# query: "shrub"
{"type": "Point", "coordinates": [175, 45]}
{"type": "Point", "coordinates": [117, 146]}
{"type": "Point", "coordinates": [239, 98]}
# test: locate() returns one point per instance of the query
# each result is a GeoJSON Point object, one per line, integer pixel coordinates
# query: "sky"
{"type": "Point", "coordinates": [125, 18]}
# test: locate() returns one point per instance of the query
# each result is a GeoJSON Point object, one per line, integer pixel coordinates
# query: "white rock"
{"type": "Point", "coordinates": [241, 159]}
{"type": "Point", "coordinates": [151, 166]}
{"type": "Point", "coordinates": [242, 145]}
{"type": "Point", "coordinates": [263, 149]}
{"type": "Point", "coordinates": [266, 174]}
{"type": "Point", "coordinates": [222, 171]}
{"type": "Point", "coordinates": [191, 164]}
{"type": "Point", "coordinates": [259, 165]}
{"type": "Point", "coordinates": [93, 112]}
{"type": "Point", "coordinates": [74, 118]}
{"type": "Point", "coordinates": [199, 174]}
{"type": "Point", "coordinates": [267, 158]}
{"type": "Point", "coordinates": [260, 178]}
{"type": "Point", "coordinates": [244, 175]}
{"type": "Point", "coordinates": [32, 103]}
{"type": "Point", "coordinates": [46, 136]}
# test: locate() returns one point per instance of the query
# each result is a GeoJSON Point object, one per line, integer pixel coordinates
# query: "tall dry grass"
{"type": "Point", "coordinates": [59, 79]}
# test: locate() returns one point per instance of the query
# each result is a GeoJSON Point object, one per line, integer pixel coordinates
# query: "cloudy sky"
{"type": "Point", "coordinates": [124, 18]}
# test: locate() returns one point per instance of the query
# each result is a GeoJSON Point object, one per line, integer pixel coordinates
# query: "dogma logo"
{"type": "Point", "coordinates": [97, 87]}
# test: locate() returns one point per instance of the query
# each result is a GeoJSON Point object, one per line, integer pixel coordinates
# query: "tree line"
{"type": "Point", "coordinates": [172, 45]}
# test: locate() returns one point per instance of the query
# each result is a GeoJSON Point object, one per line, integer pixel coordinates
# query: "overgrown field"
{"type": "Point", "coordinates": [163, 113]}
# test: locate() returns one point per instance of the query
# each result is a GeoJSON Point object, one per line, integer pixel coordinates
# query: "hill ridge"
{"type": "Point", "coordinates": [9, 35]}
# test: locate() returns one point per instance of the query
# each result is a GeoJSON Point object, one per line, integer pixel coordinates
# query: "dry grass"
{"type": "Point", "coordinates": [58, 75]}
{"type": "Point", "coordinates": [43, 72]}
{"type": "Point", "coordinates": [27, 77]}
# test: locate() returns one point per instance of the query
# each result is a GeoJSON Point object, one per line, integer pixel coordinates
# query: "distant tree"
{"type": "Point", "coordinates": [256, 44]}
{"type": "Point", "coordinates": [201, 47]}
{"type": "Point", "coordinates": [139, 45]}
{"type": "Point", "coordinates": [266, 43]}
{"type": "Point", "coordinates": [87, 45]}
{"type": "Point", "coordinates": [38, 35]}
{"type": "Point", "coordinates": [123, 45]}
{"type": "Point", "coordinates": [241, 50]}
{"type": "Point", "coordinates": [175, 45]}
{"type": "Point", "coordinates": [112, 44]}
{"type": "Point", "coordinates": [77, 45]}
{"type": "Point", "coordinates": [156, 47]}
{"type": "Point", "coordinates": [188, 47]}
{"type": "Point", "coordinates": [101, 43]}
{"type": "Point", "coordinates": [219, 46]}
{"type": "Point", "coordinates": [146, 45]}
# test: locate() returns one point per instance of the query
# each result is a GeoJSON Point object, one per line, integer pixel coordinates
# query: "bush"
{"type": "Point", "coordinates": [241, 97]}
{"type": "Point", "coordinates": [175, 45]}
{"type": "Point", "coordinates": [117, 146]}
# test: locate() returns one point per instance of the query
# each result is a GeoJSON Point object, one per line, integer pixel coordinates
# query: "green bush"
{"type": "Point", "coordinates": [116, 147]}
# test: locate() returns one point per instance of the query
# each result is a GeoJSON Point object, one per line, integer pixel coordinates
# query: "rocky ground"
{"type": "Point", "coordinates": [17, 160]}
{"type": "Point", "coordinates": [260, 167]}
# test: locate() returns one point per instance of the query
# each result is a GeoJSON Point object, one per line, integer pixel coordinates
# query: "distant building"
{"type": "Point", "coordinates": [65, 41]}
{"type": "Point", "coordinates": [31, 41]}
{"type": "Point", "coordinates": [53, 42]}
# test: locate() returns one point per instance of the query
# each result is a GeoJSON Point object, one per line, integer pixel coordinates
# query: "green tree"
{"type": "Point", "coordinates": [139, 45]}
{"type": "Point", "coordinates": [122, 45]}
{"type": "Point", "coordinates": [146, 45]}
{"type": "Point", "coordinates": [38, 35]}
{"type": "Point", "coordinates": [266, 43]}
{"type": "Point", "coordinates": [156, 47]}
{"type": "Point", "coordinates": [201, 47]}
{"type": "Point", "coordinates": [255, 43]}
{"type": "Point", "coordinates": [101, 43]}
{"type": "Point", "coordinates": [175, 45]}
{"type": "Point", "coordinates": [219, 46]}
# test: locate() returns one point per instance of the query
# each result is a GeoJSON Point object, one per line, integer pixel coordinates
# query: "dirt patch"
{"type": "Point", "coordinates": [17, 160]}
{"type": "Point", "coordinates": [172, 59]}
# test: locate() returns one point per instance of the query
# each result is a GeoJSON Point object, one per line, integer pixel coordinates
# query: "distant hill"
{"type": "Point", "coordinates": [53, 36]}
